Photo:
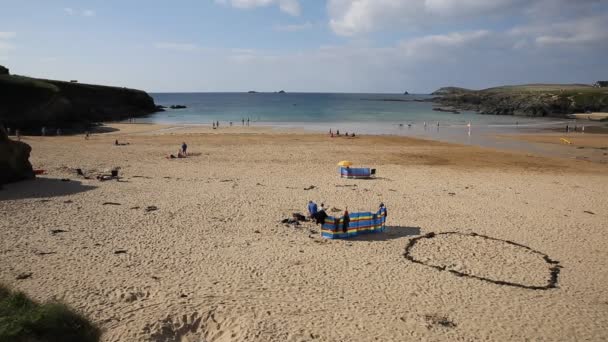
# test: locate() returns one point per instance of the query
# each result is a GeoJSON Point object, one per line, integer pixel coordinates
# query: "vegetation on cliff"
{"type": "Point", "coordinates": [556, 100]}
{"type": "Point", "coordinates": [30, 103]}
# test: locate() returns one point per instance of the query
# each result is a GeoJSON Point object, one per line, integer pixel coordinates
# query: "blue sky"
{"type": "Point", "coordinates": [306, 45]}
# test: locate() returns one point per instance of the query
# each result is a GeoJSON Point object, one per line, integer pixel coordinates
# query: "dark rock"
{"type": "Point", "coordinates": [177, 107]}
{"type": "Point", "coordinates": [446, 110]}
{"type": "Point", "coordinates": [24, 276]}
{"type": "Point", "coordinates": [405, 93]}
{"type": "Point", "coordinates": [151, 208]}
{"type": "Point", "coordinates": [14, 160]}
{"type": "Point", "coordinates": [58, 231]}
{"type": "Point", "coordinates": [4, 70]}
{"type": "Point", "coordinates": [120, 251]}
{"type": "Point", "coordinates": [252, 92]}
{"type": "Point", "coordinates": [282, 92]}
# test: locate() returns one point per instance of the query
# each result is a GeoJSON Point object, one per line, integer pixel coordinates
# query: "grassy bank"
{"type": "Point", "coordinates": [22, 319]}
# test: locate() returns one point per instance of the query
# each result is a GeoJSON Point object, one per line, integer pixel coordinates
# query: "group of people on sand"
{"type": "Point", "coordinates": [337, 134]}
{"type": "Point", "coordinates": [319, 215]}
{"type": "Point", "coordinates": [181, 153]}
{"type": "Point", "coordinates": [575, 128]}
{"type": "Point", "coordinates": [216, 124]}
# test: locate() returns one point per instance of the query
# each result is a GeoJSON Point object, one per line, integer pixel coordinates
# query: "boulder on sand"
{"type": "Point", "coordinates": [14, 160]}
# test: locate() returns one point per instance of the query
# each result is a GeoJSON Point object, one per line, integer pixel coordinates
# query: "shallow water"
{"type": "Point", "coordinates": [379, 114]}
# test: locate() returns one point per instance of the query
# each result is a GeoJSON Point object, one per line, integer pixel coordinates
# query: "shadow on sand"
{"type": "Point", "coordinates": [391, 233]}
{"type": "Point", "coordinates": [42, 188]}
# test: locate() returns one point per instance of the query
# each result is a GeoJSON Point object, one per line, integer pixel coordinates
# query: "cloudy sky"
{"type": "Point", "coordinates": [306, 45]}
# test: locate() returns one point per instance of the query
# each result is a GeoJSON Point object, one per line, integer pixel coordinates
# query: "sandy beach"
{"type": "Point", "coordinates": [193, 249]}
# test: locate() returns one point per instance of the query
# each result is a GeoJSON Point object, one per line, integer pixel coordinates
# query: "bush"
{"type": "Point", "coordinates": [22, 320]}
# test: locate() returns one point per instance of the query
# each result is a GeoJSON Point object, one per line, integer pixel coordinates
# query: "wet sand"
{"type": "Point", "coordinates": [193, 249]}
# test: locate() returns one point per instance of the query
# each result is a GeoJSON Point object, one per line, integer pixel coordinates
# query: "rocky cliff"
{"type": "Point", "coordinates": [14, 160]}
{"type": "Point", "coordinates": [31, 103]}
{"type": "Point", "coordinates": [528, 100]}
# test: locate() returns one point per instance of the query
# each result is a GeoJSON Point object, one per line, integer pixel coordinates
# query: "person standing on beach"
{"type": "Point", "coordinates": [247, 121]}
{"type": "Point", "coordinates": [345, 221]}
{"type": "Point", "coordinates": [243, 120]}
{"type": "Point", "coordinates": [184, 149]}
{"type": "Point", "coordinates": [43, 131]}
{"type": "Point", "coordinates": [382, 212]}
{"type": "Point", "coordinates": [217, 124]}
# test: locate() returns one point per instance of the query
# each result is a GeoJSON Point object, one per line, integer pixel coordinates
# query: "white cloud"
{"type": "Point", "coordinates": [84, 13]}
{"type": "Point", "coordinates": [294, 27]}
{"type": "Point", "coordinates": [7, 35]}
{"type": "Point", "coordinates": [291, 7]}
{"type": "Point", "coordinates": [353, 17]}
{"type": "Point", "coordinates": [184, 47]}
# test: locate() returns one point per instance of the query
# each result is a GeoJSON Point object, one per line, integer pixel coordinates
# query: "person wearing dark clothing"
{"type": "Point", "coordinates": [321, 215]}
{"type": "Point", "coordinates": [345, 221]}
{"type": "Point", "coordinates": [184, 148]}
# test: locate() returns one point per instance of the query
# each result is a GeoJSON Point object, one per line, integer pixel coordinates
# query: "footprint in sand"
{"type": "Point", "coordinates": [210, 327]}
{"type": "Point", "coordinates": [129, 294]}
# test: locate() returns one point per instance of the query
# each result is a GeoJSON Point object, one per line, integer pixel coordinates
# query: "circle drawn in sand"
{"type": "Point", "coordinates": [485, 258]}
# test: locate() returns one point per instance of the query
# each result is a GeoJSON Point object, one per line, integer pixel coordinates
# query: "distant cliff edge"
{"type": "Point", "coordinates": [27, 103]}
{"type": "Point", "coordinates": [556, 100]}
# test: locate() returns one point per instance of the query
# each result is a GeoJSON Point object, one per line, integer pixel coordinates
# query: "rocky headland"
{"type": "Point", "coordinates": [555, 100]}
{"type": "Point", "coordinates": [28, 103]}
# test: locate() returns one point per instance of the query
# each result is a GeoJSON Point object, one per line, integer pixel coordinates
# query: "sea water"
{"type": "Point", "coordinates": [309, 110]}
{"type": "Point", "coordinates": [394, 114]}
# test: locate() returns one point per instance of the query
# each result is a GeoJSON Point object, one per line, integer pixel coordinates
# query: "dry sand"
{"type": "Point", "coordinates": [213, 263]}
{"type": "Point", "coordinates": [590, 116]}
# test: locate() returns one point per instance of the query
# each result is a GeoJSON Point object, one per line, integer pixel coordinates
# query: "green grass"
{"type": "Point", "coordinates": [23, 320]}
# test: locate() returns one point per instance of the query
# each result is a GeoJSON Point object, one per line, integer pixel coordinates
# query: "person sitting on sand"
{"type": "Point", "coordinates": [184, 148]}
{"type": "Point", "coordinates": [312, 209]}
{"type": "Point", "coordinates": [321, 215]}
{"type": "Point", "coordinates": [353, 135]}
